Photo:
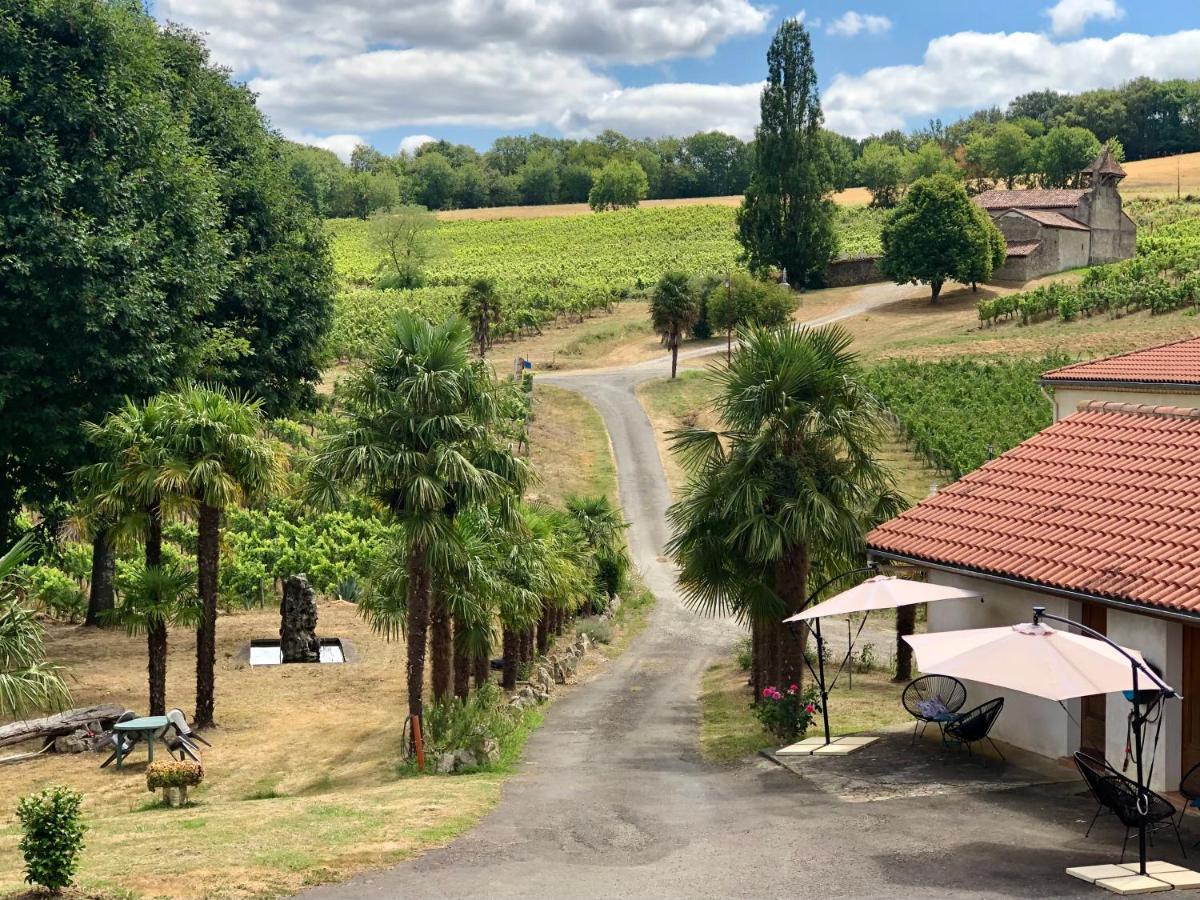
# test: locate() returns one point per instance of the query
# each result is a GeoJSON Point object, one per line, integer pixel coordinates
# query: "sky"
{"type": "Point", "coordinates": [397, 73]}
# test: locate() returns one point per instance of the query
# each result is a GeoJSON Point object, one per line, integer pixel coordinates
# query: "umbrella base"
{"type": "Point", "coordinates": [1124, 878]}
{"type": "Point", "coordinates": [838, 746]}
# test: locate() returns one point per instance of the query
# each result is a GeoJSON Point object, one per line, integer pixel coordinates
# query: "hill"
{"type": "Point", "coordinates": [1160, 177]}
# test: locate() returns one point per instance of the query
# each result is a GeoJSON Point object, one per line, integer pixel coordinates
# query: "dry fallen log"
{"type": "Point", "coordinates": [61, 723]}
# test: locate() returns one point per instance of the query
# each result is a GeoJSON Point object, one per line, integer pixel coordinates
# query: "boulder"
{"type": "Point", "coordinates": [464, 759]}
{"type": "Point", "coordinates": [76, 742]}
{"type": "Point", "coordinates": [445, 764]}
{"type": "Point", "coordinates": [488, 752]}
{"type": "Point", "coordinates": [298, 622]}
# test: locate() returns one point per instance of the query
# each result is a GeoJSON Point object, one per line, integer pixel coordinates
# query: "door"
{"type": "Point", "coordinates": [1093, 709]}
{"type": "Point", "coordinates": [1190, 751]}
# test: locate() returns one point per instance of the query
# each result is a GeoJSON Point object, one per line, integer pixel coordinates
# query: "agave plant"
{"type": "Point", "coordinates": [27, 681]}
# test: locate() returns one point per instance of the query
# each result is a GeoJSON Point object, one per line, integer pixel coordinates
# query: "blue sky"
{"type": "Point", "coordinates": [395, 72]}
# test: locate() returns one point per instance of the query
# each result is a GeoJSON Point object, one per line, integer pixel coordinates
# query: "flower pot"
{"type": "Point", "coordinates": [175, 796]}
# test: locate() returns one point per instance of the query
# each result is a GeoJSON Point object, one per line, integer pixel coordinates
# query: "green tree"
{"type": "Point", "coordinates": [935, 234]}
{"type": "Point", "coordinates": [407, 238]}
{"type": "Point", "coordinates": [930, 159]}
{"type": "Point", "coordinates": [434, 180]}
{"type": "Point", "coordinates": [110, 224]}
{"type": "Point", "coordinates": [214, 455]}
{"type": "Point", "coordinates": [317, 174]}
{"type": "Point", "coordinates": [417, 436]}
{"type": "Point", "coordinates": [27, 681]}
{"type": "Point", "coordinates": [603, 529]}
{"type": "Point", "coordinates": [574, 183]}
{"type": "Point", "coordinates": [1007, 153]}
{"type": "Point", "coordinates": [539, 179]}
{"type": "Point", "coordinates": [620, 183]}
{"type": "Point", "coordinates": [277, 298]}
{"type": "Point", "coordinates": [152, 601]}
{"type": "Point", "coordinates": [1063, 153]}
{"type": "Point", "coordinates": [785, 488]}
{"type": "Point", "coordinates": [786, 217]}
{"type": "Point", "coordinates": [482, 308]}
{"type": "Point", "coordinates": [674, 309]}
{"type": "Point", "coordinates": [882, 170]}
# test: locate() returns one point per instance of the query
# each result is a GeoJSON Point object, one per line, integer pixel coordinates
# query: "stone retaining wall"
{"type": "Point", "coordinates": [856, 270]}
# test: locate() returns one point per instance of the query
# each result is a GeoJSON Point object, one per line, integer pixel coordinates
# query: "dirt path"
{"type": "Point", "coordinates": [613, 799]}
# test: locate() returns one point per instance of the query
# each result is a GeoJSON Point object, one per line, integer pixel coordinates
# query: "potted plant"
{"type": "Point", "coordinates": [174, 777]}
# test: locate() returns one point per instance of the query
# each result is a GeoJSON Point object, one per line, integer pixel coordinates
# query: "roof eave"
{"type": "Point", "coordinates": [1180, 387]}
{"type": "Point", "coordinates": [1126, 605]}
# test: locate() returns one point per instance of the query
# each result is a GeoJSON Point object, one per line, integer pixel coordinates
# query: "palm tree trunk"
{"type": "Point", "coordinates": [156, 653]}
{"type": "Point", "coordinates": [674, 342]}
{"type": "Point", "coordinates": [791, 585]}
{"type": "Point", "coordinates": [543, 630]}
{"type": "Point", "coordinates": [757, 651]}
{"type": "Point", "coordinates": [100, 593]}
{"type": "Point", "coordinates": [441, 647]}
{"type": "Point", "coordinates": [208, 561]}
{"type": "Point", "coordinates": [418, 628]}
{"type": "Point", "coordinates": [483, 670]}
{"type": "Point", "coordinates": [906, 622]}
{"type": "Point", "coordinates": [512, 659]}
{"type": "Point", "coordinates": [527, 644]}
{"type": "Point", "coordinates": [462, 661]}
{"type": "Point", "coordinates": [153, 536]}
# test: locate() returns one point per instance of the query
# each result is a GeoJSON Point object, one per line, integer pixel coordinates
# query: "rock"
{"type": "Point", "coordinates": [488, 752]}
{"type": "Point", "coordinates": [464, 759]}
{"type": "Point", "coordinates": [585, 643]}
{"type": "Point", "coordinates": [76, 742]}
{"type": "Point", "coordinates": [445, 764]}
{"type": "Point", "coordinates": [298, 622]}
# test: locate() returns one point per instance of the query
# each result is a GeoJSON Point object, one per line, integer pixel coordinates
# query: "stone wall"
{"type": "Point", "coordinates": [856, 270]}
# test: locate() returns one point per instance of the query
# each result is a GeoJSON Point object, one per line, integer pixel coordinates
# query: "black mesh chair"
{"type": "Point", "coordinates": [974, 726]}
{"type": "Point", "coordinates": [1120, 794]}
{"type": "Point", "coordinates": [1094, 771]}
{"type": "Point", "coordinates": [1189, 787]}
{"type": "Point", "coordinates": [948, 692]}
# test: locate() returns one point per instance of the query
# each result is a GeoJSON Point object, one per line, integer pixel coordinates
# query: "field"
{"type": "Point", "coordinates": [1162, 177]}
{"type": "Point", "coordinates": [548, 269]}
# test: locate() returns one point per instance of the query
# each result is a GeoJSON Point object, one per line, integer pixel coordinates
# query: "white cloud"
{"type": "Point", "coordinates": [669, 109]}
{"type": "Point", "coordinates": [1068, 17]}
{"type": "Point", "coordinates": [850, 23]}
{"type": "Point", "coordinates": [970, 70]}
{"type": "Point", "coordinates": [341, 144]}
{"type": "Point", "coordinates": [414, 142]}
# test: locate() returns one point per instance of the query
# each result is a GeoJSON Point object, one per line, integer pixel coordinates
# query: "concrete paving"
{"type": "Point", "coordinates": [614, 801]}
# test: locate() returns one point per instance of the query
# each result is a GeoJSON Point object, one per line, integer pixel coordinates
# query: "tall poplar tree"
{"type": "Point", "coordinates": [786, 218]}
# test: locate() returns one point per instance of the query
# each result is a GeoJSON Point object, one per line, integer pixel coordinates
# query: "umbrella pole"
{"type": "Point", "coordinates": [1142, 799]}
{"type": "Point", "coordinates": [821, 680]}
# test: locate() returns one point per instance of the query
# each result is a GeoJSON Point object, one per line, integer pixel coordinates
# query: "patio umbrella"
{"type": "Point", "coordinates": [881, 592]}
{"type": "Point", "coordinates": [1035, 659]}
{"type": "Point", "coordinates": [877, 592]}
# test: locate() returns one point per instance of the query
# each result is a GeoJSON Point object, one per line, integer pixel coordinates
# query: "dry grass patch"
{"type": "Point", "coordinates": [301, 785]}
{"type": "Point", "coordinates": [569, 447]}
{"type": "Point", "coordinates": [1160, 177]}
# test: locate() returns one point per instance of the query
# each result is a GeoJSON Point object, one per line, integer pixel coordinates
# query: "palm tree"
{"type": "Point", "coordinates": [481, 307]}
{"type": "Point", "coordinates": [418, 438]}
{"type": "Point", "coordinates": [791, 478]}
{"type": "Point", "coordinates": [27, 681]}
{"type": "Point", "coordinates": [214, 455]}
{"type": "Point", "coordinates": [603, 527]}
{"type": "Point", "coordinates": [673, 311]}
{"type": "Point", "coordinates": [158, 597]}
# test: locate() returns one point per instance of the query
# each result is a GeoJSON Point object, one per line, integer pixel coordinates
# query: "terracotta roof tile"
{"type": "Point", "coordinates": [1052, 219]}
{"type": "Point", "coordinates": [1104, 502]}
{"type": "Point", "coordinates": [1022, 248]}
{"type": "Point", "coordinates": [1058, 198]}
{"type": "Point", "coordinates": [1174, 363]}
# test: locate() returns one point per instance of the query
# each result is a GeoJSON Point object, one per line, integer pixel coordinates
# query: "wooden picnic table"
{"type": "Point", "coordinates": [148, 727]}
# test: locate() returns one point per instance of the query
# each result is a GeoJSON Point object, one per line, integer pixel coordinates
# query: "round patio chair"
{"type": "Point", "coordinates": [926, 697]}
{"type": "Point", "coordinates": [1189, 787]}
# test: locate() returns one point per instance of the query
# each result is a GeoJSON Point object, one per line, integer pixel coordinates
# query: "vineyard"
{"type": "Point", "coordinates": [551, 268]}
{"type": "Point", "coordinates": [958, 413]}
{"type": "Point", "coordinates": [1162, 277]}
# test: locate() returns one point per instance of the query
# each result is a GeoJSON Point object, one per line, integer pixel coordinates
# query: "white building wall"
{"type": "Point", "coordinates": [1068, 399]}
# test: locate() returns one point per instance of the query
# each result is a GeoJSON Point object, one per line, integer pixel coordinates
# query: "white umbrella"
{"type": "Point", "coordinates": [1032, 659]}
{"type": "Point", "coordinates": [881, 592]}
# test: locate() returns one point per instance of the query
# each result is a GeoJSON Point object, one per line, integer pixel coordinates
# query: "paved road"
{"type": "Point", "coordinates": [613, 800]}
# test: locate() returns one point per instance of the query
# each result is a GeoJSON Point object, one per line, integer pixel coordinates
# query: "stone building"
{"type": "Point", "coordinates": [1053, 230]}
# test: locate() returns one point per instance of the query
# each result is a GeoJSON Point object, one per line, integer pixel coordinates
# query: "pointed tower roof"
{"type": "Point", "coordinates": [1105, 164]}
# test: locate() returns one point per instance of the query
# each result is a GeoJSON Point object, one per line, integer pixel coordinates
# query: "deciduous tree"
{"type": "Point", "coordinates": [620, 183]}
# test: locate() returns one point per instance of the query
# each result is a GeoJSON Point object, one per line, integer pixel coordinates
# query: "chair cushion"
{"type": "Point", "coordinates": [933, 708]}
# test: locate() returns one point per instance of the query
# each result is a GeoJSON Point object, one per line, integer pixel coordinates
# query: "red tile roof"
{"type": "Point", "coordinates": [1052, 219]}
{"type": "Point", "coordinates": [1022, 248]}
{"type": "Point", "coordinates": [1037, 199]}
{"type": "Point", "coordinates": [1105, 502]}
{"type": "Point", "coordinates": [1174, 363]}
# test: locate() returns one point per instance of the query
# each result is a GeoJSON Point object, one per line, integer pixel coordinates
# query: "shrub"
{"type": "Point", "coordinates": [787, 714]}
{"type": "Point", "coordinates": [743, 653]}
{"type": "Point", "coordinates": [55, 592]}
{"type": "Point", "coordinates": [173, 774]}
{"type": "Point", "coordinates": [53, 836]}
{"type": "Point", "coordinates": [599, 630]}
{"type": "Point", "coordinates": [455, 724]}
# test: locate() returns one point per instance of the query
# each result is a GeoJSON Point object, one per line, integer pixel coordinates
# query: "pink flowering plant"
{"type": "Point", "coordinates": [787, 713]}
